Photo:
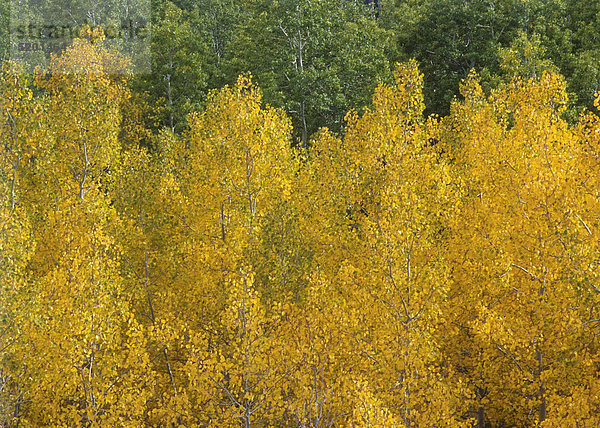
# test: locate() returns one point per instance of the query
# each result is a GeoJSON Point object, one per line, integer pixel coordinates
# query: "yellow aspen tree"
{"type": "Point", "coordinates": [232, 172]}
{"type": "Point", "coordinates": [522, 250]}
{"type": "Point", "coordinates": [84, 101]}
{"type": "Point", "coordinates": [19, 127]}
{"type": "Point", "coordinates": [141, 188]}
{"type": "Point", "coordinates": [198, 211]}
{"type": "Point", "coordinates": [400, 196]}
{"type": "Point", "coordinates": [78, 347]}
{"type": "Point", "coordinates": [386, 264]}
{"type": "Point", "coordinates": [323, 328]}
{"type": "Point", "coordinates": [240, 157]}
{"type": "Point", "coordinates": [228, 175]}
{"type": "Point", "coordinates": [575, 402]}
{"type": "Point", "coordinates": [470, 124]}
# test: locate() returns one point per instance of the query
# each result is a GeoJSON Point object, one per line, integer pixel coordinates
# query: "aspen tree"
{"type": "Point", "coordinates": [523, 254]}
{"type": "Point", "coordinates": [390, 271]}
{"type": "Point", "coordinates": [78, 348]}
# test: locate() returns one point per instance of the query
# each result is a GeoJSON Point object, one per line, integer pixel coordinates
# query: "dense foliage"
{"type": "Point", "coordinates": [319, 59]}
{"type": "Point", "coordinates": [415, 271]}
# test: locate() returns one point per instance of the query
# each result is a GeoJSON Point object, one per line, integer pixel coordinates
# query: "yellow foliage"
{"type": "Point", "coordinates": [416, 272]}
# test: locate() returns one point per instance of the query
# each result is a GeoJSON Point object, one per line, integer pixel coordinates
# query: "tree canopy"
{"type": "Point", "coordinates": [273, 229]}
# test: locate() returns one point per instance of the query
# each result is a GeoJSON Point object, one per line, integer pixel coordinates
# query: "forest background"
{"type": "Point", "coordinates": [308, 213]}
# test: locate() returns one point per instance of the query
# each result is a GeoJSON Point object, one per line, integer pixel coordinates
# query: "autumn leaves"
{"type": "Point", "coordinates": [525, 246]}
{"type": "Point", "coordinates": [417, 272]}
